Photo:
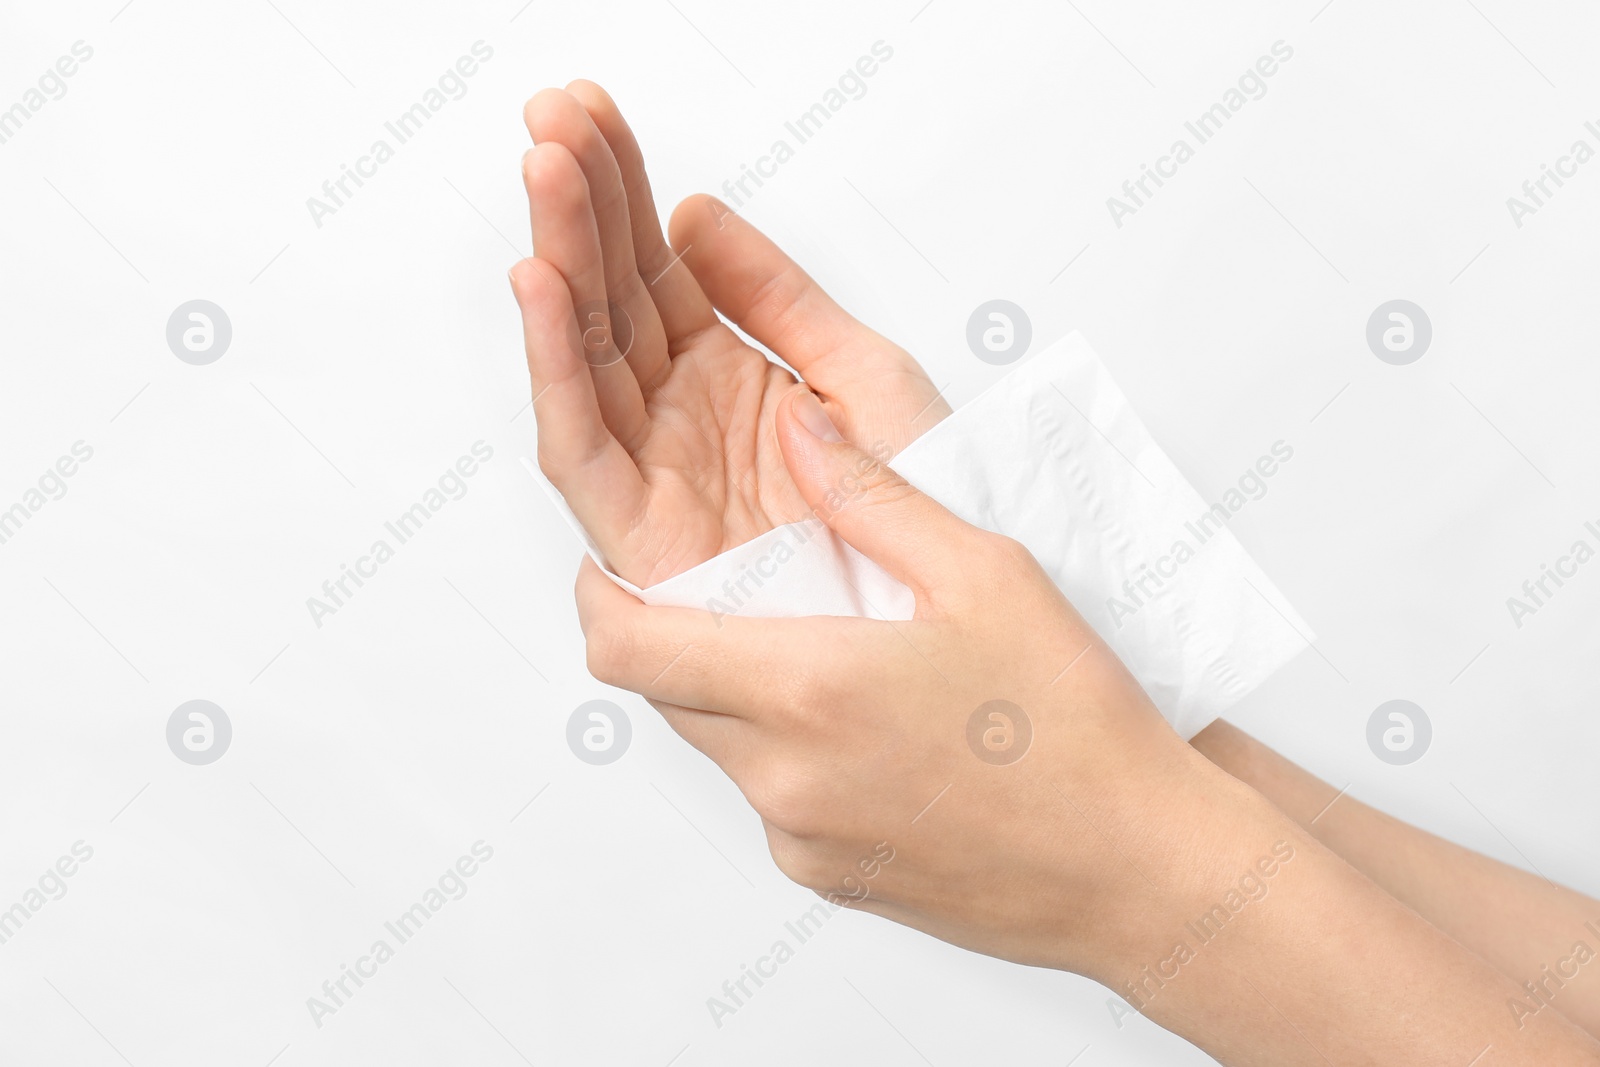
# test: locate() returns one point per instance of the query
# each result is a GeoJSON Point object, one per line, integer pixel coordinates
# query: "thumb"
{"type": "Point", "coordinates": [881, 515]}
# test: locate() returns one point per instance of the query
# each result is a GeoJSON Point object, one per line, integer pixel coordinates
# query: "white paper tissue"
{"type": "Point", "coordinates": [1053, 456]}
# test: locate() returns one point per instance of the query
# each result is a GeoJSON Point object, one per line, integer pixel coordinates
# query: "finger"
{"type": "Point", "coordinates": [683, 307]}
{"type": "Point", "coordinates": [566, 236]}
{"type": "Point", "coordinates": [753, 282]}
{"type": "Point", "coordinates": [724, 739]}
{"type": "Point", "coordinates": [555, 115]}
{"type": "Point", "coordinates": [907, 532]}
{"type": "Point", "coordinates": [756, 669]}
{"type": "Point", "coordinates": [576, 452]}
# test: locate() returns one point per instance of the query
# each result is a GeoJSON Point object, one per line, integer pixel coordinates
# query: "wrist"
{"type": "Point", "coordinates": [1199, 854]}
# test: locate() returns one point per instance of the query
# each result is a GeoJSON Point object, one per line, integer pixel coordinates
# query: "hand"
{"type": "Point", "coordinates": [657, 427]}
{"type": "Point", "coordinates": [852, 738]}
{"type": "Point", "coordinates": [1068, 827]}
{"type": "Point", "coordinates": [1090, 838]}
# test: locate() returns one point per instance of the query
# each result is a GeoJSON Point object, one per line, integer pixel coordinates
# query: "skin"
{"type": "Point", "coordinates": [667, 454]}
{"type": "Point", "coordinates": [849, 736]}
{"type": "Point", "coordinates": [1523, 924]}
{"type": "Point", "coordinates": [847, 732]}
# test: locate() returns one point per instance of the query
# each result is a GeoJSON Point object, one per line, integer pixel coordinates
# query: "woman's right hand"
{"type": "Point", "coordinates": [989, 772]}
{"type": "Point", "coordinates": [1032, 797]}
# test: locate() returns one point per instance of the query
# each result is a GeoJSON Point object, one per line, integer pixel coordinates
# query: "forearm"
{"type": "Point", "coordinates": [1545, 938]}
{"type": "Point", "coordinates": [1314, 964]}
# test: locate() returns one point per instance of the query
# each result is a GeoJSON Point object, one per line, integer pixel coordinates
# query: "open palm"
{"type": "Point", "coordinates": [655, 418]}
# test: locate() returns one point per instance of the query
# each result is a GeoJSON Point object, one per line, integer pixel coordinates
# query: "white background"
{"type": "Point", "coordinates": [369, 353]}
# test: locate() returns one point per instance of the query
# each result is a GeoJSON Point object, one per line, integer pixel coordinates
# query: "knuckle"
{"type": "Point", "coordinates": [865, 484]}
{"type": "Point", "coordinates": [1008, 552]}
{"type": "Point", "coordinates": [608, 649]}
{"type": "Point", "coordinates": [778, 295]}
{"type": "Point", "coordinates": [998, 564]}
{"type": "Point", "coordinates": [893, 488]}
{"type": "Point", "coordinates": [549, 169]}
{"type": "Point", "coordinates": [800, 692]}
{"type": "Point", "coordinates": [793, 858]}
{"type": "Point", "coordinates": [624, 287]}
{"type": "Point", "coordinates": [813, 697]}
{"type": "Point", "coordinates": [547, 465]}
{"type": "Point", "coordinates": [883, 487]}
{"type": "Point", "coordinates": [790, 800]}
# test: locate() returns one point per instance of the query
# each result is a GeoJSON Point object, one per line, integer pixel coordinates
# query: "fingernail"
{"type": "Point", "coordinates": [809, 411]}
